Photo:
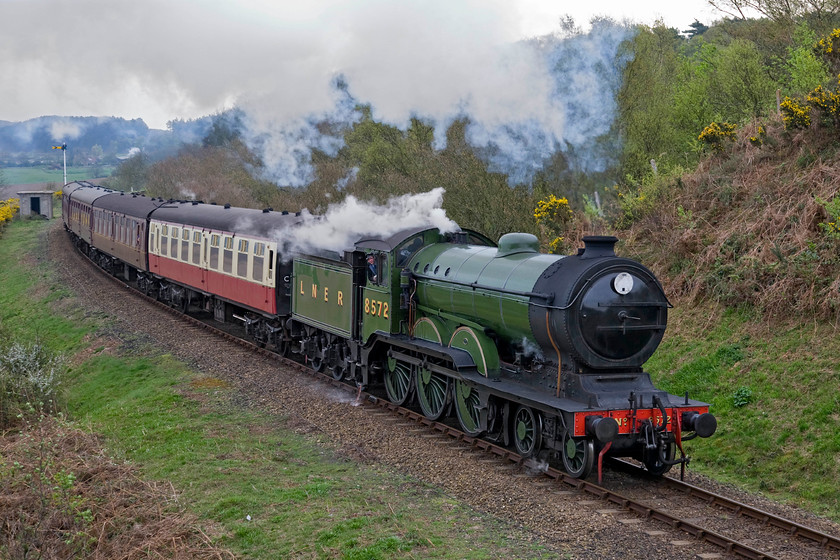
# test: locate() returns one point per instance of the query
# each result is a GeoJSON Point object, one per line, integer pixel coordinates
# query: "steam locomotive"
{"type": "Point", "coordinates": [544, 353]}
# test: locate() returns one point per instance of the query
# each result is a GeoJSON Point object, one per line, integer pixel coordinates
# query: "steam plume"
{"type": "Point", "coordinates": [343, 224]}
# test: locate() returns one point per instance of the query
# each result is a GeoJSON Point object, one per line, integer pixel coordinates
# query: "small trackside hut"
{"type": "Point", "coordinates": [36, 203]}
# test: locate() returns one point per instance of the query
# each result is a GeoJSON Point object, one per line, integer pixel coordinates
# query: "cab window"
{"type": "Point", "coordinates": [376, 269]}
{"type": "Point", "coordinates": [408, 248]}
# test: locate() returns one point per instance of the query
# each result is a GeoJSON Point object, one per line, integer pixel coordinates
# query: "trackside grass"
{"type": "Point", "coordinates": [775, 394]}
{"type": "Point", "coordinates": [259, 490]}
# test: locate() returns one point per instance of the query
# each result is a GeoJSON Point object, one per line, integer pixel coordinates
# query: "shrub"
{"type": "Point", "coordinates": [717, 133]}
{"type": "Point", "coordinates": [8, 209]}
{"type": "Point", "coordinates": [827, 102]}
{"type": "Point", "coordinates": [742, 397]}
{"type": "Point", "coordinates": [795, 114]}
{"type": "Point", "coordinates": [758, 139]}
{"type": "Point", "coordinates": [30, 377]}
{"type": "Point", "coordinates": [825, 46]}
{"type": "Point", "coordinates": [554, 216]}
{"type": "Point", "coordinates": [832, 208]}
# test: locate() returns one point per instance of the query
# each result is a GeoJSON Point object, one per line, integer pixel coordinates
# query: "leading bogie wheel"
{"type": "Point", "coordinates": [398, 378]}
{"type": "Point", "coordinates": [468, 408]}
{"type": "Point", "coordinates": [578, 455]}
{"type": "Point", "coordinates": [432, 393]}
{"type": "Point", "coordinates": [527, 431]}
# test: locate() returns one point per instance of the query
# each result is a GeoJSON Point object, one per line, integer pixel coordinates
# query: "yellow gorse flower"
{"type": "Point", "coordinates": [553, 208]}
{"type": "Point", "coordinates": [8, 209]}
{"type": "Point", "coordinates": [555, 246]}
{"type": "Point", "coordinates": [716, 133]}
{"type": "Point", "coordinates": [825, 46]}
{"type": "Point", "coordinates": [795, 114]}
{"type": "Point", "coordinates": [554, 216]}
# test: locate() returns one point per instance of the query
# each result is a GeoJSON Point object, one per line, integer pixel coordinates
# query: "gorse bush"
{"type": "Point", "coordinates": [717, 133]}
{"type": "Point", "coordinates": [553, 216]}
{"type": "Point", "coordinates": [8, 209]}
{"type": "Point", "coordinates": [30, 381]}
{"type": "Point", "coordinates": [795, 114]}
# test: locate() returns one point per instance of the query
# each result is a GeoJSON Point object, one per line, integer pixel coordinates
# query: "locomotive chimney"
{"type": "Point", "coordinates": [598, 246]}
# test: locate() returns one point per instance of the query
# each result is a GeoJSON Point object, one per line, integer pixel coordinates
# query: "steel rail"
{"type": "Point", "coordinates": [642, 510]}
{"type": "Point", "coordinates": [745, 510]}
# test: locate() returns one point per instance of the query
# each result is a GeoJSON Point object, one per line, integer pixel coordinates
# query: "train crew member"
{"type": "Point", "coordinates": [371, 272]}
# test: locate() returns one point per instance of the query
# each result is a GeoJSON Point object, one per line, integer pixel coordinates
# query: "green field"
{"type": "Point", "coordinates": [29, 175]}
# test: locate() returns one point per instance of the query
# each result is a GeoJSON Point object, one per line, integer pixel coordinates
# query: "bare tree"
{"type": "Point", "coordinates": [780, 11]}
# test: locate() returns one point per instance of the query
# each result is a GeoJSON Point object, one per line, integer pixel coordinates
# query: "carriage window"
{"type": "Point", "coordinates": [227, 256]}
{"type": "Point", "coordinates": [164, 244]}
{"type": "Point", "coordinates": [214, 251]}
{"type": "Point", "coordinates": [242, 264]}
{"type": "Point", "coordinates": [196, 248]}
{"type": "Point", "coordinates": [242, 259]}
{"type": "Point", "coordinates": [259, 251]}
{"type": "Point", "coordinates": [185, 245]}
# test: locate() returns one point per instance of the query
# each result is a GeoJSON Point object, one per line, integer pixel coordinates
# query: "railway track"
{"type": "Point", "coordinates": [809, 542]}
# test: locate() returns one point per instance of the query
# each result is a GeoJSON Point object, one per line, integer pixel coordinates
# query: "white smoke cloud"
{"type": "Point", "coordinates": [58, 129]}
{"type": "Point", "coordinates": [294, 66]}
{"type": "Point", "coordinates": [65, 129]}
{"type": "Point", "coordinates": [343, 224]}
{"type": "Point", "coordinates": [348, 179]}
{"type": "Point", "coordinates": [524, 100]}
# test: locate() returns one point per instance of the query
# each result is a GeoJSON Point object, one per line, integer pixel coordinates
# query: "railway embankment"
{"type": "Point", "coordinates": [748, 250]}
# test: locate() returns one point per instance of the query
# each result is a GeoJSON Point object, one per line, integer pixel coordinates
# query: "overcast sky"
{"type": "Point", "coordinates": [165, 59]}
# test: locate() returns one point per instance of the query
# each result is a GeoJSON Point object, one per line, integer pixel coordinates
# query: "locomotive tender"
{"type": "Point", "coordinates": [544, 352]}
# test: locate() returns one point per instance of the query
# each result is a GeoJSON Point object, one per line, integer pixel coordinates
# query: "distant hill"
{"type": "Point", "coordinates": [40, 134]}
{"type": "Point", "coordinates": [113, 135]}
